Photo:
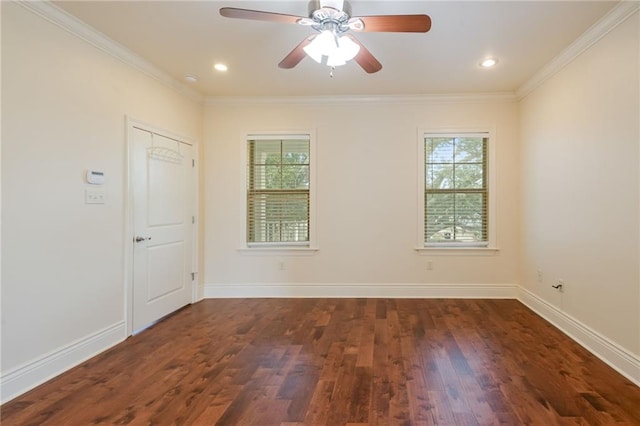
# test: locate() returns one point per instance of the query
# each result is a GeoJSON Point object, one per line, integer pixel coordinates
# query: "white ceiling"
{"type": "Point", "coordinates": [188, 37]}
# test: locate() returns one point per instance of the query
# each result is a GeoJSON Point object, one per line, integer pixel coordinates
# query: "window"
{"type": "Point", "coordinates": [278, 190]}
{"type": "Point", "coordinates": [456, 190]}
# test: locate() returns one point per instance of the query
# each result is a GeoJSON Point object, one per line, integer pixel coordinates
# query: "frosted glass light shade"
{"type": "Point", "coordinates": [320, 46]}
{"type": "Point", "coordinates": [338, 50]}
{"type": "Point", "coordinates": [348, 48]}
{"type": "Point", "coordinates": [335, 61]}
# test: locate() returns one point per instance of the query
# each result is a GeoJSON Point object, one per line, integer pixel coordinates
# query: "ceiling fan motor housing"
{"type": "Point", "coordinates": [328, 19]}
{"type": "Point", "coordinates": [340, 5]}
{"type": "Point", "coordinates": [333, 16]}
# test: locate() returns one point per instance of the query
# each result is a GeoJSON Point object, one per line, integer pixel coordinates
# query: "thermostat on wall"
{"type": "Point", "coordinates": [94, 177]}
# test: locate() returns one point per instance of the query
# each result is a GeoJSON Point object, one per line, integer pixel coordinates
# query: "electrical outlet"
{"type": "Point", "coordinates": [281, 266]}
{"type": "Point", "coordinates": [429, 265]}
{"type": "Point", "coordinates": [540, 276]}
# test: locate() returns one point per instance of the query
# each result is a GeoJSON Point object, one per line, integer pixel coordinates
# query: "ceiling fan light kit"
{"type": "Point", "coordinates": [338, 50]}
{"type": "Point", "coordinates": [334, 24]}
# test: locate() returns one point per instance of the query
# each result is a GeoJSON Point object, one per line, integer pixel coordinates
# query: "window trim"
{"type": "Point", "coordinates": [278, 248]}
{"type": "Point", "coordinates": [458, 248]}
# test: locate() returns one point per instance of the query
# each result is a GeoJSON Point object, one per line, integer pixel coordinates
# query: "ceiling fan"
{"type": "Point", "coordinates": [332, 21]}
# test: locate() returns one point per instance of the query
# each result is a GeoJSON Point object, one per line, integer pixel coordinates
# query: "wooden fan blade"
{"type": "Point", "coordinates": [257, 15]}
{"type": "Point", "coordinates": [364, 58]}
{"type": "Point", "coordinates": [396, 23]}
{"type": "Point", "coordinates": [296, 55]}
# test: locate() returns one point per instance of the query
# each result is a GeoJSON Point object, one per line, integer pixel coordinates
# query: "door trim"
{"type": "Point", "coordinates": [196, 293]}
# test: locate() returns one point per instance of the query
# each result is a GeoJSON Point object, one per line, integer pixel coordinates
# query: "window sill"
{"type": "Point", "coordinates": [457, 251]}
{"type": "Point", "coordinates": [278, 251]}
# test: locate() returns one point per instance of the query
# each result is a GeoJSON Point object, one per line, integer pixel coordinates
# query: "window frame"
{"type": "Point", "coordinates": [456, 248]}
{"type": "Point", "coordinates": [293, 247]}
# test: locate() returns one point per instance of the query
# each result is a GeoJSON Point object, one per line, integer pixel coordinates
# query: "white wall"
{"type": "Point", "coordinates": [580, 184]}
{"type": "Point", "coordinates": [64, 104]}
{"type": "Point", "coordinates": [367, 198]}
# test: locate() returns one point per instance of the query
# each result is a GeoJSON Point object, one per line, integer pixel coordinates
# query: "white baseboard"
{"type": "Point", "coordinates": [621, 360]}
{"type": "Point", "coordinates": [400, 291]}
{"type": "Point", "coordinates": [27, 376]}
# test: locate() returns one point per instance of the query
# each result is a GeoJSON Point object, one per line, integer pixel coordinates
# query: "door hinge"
{"type": "Point", "coordinates": [193, 276]}
{"type": "Point", "coordinates": [193, 162]}
{"type": "Point", "coordinates": [193, 219]}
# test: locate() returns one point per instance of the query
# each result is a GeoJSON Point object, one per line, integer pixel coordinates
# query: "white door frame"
{"type": "Point", "coordinates": [129, 217]}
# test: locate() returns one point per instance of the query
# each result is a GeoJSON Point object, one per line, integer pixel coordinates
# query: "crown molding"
{"type": "Point", "coordinates": [73, 25]}
{"type": "Point", "coordinates": [606, 24]}
{"type": "Point", "coordinates": [362, 99]}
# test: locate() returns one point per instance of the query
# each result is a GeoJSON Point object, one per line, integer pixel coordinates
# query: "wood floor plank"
{"type": "Point", "coordinates": [381, 390]}
{"type": "Point", "coordinates": [338, 362]}
{"type": "Point", "coordinates": [319, 407]}
{"type": "Point", "coordinates": [399, 410]}
{"type": "Point", "coordinates": [365, 347]}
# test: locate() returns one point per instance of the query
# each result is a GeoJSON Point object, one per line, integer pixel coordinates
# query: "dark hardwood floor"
{"type": "Point", "coordinates": [336, 362]}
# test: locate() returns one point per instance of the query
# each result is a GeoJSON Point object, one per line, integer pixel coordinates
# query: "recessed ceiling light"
{"type": "Point", "coordinates": [191, 78]}
{"type": "Point", "coordinates": [488, 62]}
{"type": "Point", "coordinates": [220, 67]}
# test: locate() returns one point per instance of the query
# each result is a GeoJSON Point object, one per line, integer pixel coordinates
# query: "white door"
{"type": "Point", "coordinates": [163, 209]}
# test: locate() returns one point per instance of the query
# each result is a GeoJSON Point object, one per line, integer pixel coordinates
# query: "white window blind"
{"type": "Point", "coordinates": [456, 190]}
{"type": "Point", "coordinates": [278, 190]}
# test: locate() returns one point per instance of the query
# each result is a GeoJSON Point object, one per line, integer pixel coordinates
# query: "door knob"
{"type": "Point", "coordinates": [139, 239]}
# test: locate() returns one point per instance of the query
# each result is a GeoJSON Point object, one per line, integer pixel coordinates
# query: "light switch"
{"type": "Point", "coordinates": [93, 196]}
